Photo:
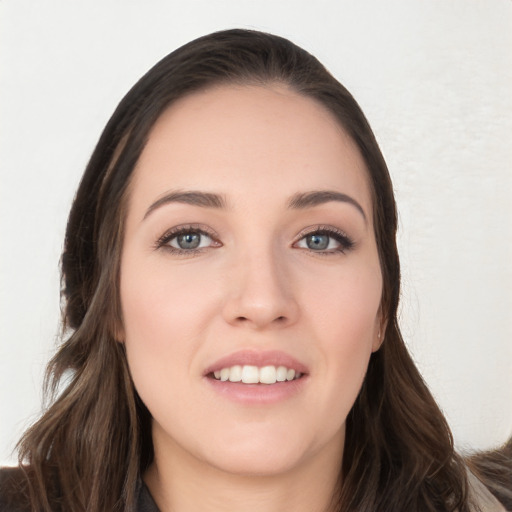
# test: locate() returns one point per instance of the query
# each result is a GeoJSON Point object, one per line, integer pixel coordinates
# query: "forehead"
{"type": "Point", "coordinates": [254, 140]}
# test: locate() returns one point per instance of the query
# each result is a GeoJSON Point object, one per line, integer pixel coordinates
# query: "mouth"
{"type": "Point", "coordinates": [250, 374]}
{"type": "Point", "coordinates": [255, 377]}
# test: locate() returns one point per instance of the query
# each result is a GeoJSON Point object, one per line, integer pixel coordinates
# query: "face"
{"type": "Point", "coordinates": [250, 280]}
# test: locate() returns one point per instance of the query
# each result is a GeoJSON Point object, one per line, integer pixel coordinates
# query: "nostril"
{"type": "Point", "coordinates": [278, 320]}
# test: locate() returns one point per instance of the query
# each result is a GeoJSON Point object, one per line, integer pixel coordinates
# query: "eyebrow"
{"type": "Point", "coordinates": [305, 200]}
{"type": "Point", "coordinates": [195, 198]}
{"type": "Point", "coordinates": [299, 201]}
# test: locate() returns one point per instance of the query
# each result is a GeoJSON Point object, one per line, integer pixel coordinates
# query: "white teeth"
{"type": "Point", "coordinates": [268, 375]}
{"type": "Point", "coordinates": [290, 374]}
{"type": "Point", "coordinates": [249, 374]}
{"type": "Point", "coordinates": [235, 374]}
{"type": "Point", "coordinates": [281, 373]}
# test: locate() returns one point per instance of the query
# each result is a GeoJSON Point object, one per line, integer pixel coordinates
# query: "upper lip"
{"type": "Point", "coordinates": [258, 358]}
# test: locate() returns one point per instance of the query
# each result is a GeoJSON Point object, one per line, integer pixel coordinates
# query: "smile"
{"type": "Point", "coordinates": [257, 377]}
{"type": "Point", "coordinates": [249, 374]}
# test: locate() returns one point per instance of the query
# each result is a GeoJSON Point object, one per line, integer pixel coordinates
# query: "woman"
{"type": "Point", "coordinates": [231, 282]}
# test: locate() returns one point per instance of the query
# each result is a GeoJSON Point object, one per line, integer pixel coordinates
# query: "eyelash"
{"type": "Point", "coordinates": [346, 243]}
{"type": "Point", "coordinates": [171, 234]}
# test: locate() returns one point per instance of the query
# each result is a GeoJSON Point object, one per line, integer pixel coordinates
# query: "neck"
{"type": "Point", "coordinates": [180, 482]}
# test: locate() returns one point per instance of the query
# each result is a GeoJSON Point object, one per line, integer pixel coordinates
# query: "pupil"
{"type": "Point", "coordinates": [189, 240]}
{"type": "Point", "coordinates": [319, 242]}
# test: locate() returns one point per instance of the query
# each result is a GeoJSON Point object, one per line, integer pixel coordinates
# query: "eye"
{"type": "Point", "coordinates": [325, 241]}
{"type": "Point", "coordinates": [189, 241]}
{"type": "Point", "coordinates": [186, 240]}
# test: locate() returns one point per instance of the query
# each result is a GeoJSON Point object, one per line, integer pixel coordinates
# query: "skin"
{"type": "Point", "coordinates": [255, 285]}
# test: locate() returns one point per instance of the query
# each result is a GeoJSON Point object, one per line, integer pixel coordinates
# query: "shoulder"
{"type": "Point", "coordinates": [13, 490]}
{"type": "Point", "coordinates": [494, 469]}
{"type": "Point", "coordinates": [481, 498]}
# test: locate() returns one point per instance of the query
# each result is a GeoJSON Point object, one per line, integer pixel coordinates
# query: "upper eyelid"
{"type": "Point", "coordinates": [321, 228]}
{"type": "Point", "coordinates": [184, 228]}
{"type": "Point", "coordinates": [347, 242]}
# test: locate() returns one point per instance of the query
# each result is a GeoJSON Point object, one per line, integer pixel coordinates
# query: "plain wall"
{"type": "Point", "coordinates": [434, 78]}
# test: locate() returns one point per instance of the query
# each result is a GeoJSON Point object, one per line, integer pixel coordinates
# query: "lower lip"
{"type": "Point", "coordinates": [257, 394]}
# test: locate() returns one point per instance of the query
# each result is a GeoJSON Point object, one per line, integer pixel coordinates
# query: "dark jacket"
{"type": "Point", "coordinates": [14, 494]}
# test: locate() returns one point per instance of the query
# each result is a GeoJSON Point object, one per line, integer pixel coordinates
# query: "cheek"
{"type": "Point", "coordinates": [162, 300]}
{"type": "Point", "coordinates": [346, 318]}
{"type": "Point", "coordinates": [163, 314]}
{"type": "Point", "coordinates": [345, 306]}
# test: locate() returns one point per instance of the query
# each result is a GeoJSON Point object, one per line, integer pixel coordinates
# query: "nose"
{"type": "Point", "coordinates": [260, 293]}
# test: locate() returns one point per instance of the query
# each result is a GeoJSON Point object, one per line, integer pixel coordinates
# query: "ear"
{"type": "Point", "coordinates": [117, 330]}
{"type": "Point", "coordinates": [380, 330]}
{"type": "Point", "coordinates": [118, 335]}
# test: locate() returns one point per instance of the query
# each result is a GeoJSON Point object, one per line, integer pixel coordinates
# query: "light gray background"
{"type": "Point", "coordinates": [435, 79]}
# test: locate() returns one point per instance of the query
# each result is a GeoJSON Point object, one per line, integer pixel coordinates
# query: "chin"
{"type": "Point", "coordinates": [260, 463]}
{"type": "Point", "coordinates": [262, 452]}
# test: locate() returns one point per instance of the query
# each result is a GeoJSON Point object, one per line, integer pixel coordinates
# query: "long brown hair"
{"type": "Point", "coordinates": [93, 442]}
